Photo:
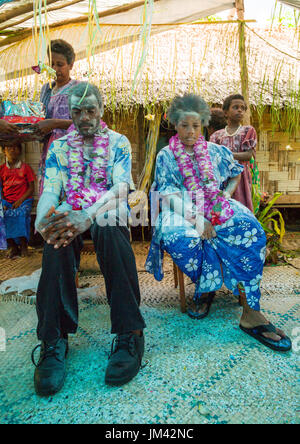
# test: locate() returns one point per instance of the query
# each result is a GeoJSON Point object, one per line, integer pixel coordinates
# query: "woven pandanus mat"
{"type": "Point", "coordinates": [196, 372]}
{"type": "Point", "coordinates": [276, 282]}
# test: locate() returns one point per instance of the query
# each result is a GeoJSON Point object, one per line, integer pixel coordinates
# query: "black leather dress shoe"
{"type": "Point", "coordinates": [49, 375]}
{"type": "Point", "coordinates": [125, 359]}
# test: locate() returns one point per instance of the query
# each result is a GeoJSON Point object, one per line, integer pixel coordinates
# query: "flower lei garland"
{"type": "Point", "coordinates": [204, 191]}
{"type": "Point", "coordinates": [78, 195]}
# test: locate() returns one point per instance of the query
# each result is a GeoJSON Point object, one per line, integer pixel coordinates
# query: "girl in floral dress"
{"type": "Point", "coordinates": [211, 237]}
{"type": "Point", "coordinates": [242, 141]}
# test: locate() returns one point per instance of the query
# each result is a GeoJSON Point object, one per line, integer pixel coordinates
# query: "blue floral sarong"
{"type": "Point", "coordinates": [17, 221]}
{"type": "Point", "coordinates": [235, 256]}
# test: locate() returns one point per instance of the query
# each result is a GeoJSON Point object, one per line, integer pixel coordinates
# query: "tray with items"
{"type": "Point", "coordinates": [23, 115]}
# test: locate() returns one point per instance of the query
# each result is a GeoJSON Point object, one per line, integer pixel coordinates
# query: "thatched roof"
{"type": "Point", "coordinates": [293, 3]}
{"type": "Point", "coordinates": [23, 19]}
{"type": "Point", "coordinates": [204, 59]}
{"type": "Point", "coordinates": [16, 15]}
{"type": "Point", "coordinates": [200, 58]}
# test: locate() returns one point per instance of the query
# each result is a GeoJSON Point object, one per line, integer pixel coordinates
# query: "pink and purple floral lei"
{"type": "Point", "coordinates": [79, 195]}
{"type": "Point", "coordinates": [204, 190]}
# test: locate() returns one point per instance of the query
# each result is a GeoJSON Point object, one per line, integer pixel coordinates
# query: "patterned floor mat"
{"type": "Point", "coordinates": [197, 372]}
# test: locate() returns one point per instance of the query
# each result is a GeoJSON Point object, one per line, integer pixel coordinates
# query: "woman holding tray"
{"type": "Point", "coordinates": [55, 100]}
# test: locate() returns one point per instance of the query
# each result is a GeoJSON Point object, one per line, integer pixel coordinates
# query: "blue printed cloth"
{"type": "Point", "coordinates": [57, 171]}
{"type": "Point", "coordinates": [17, 221]}
{"type": "Point", "coordinates": [235, 256]}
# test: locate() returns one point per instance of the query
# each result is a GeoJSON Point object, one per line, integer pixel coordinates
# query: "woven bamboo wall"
{"type": "Point", "coordinates": [278, 159]}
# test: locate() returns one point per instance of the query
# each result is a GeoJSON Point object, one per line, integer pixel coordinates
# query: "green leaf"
{"type": "Point", "coordinates": [269, 206]}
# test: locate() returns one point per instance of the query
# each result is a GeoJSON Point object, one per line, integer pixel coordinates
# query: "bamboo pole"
{"type": "Point", "coordinates": [28, 16]}
{"type": "Point", "coordinates": [240, 8]}
{"type": "Point", "coordinates": [20, 35]}
{"type": "Point", "coordinates": [17, 36]}
{"type": "Point", "coordinates": [24, 33]}
{"type": "Point", "coordinates": [16, 11]}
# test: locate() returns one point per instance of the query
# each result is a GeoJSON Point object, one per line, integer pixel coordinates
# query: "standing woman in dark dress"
{"type": "Point", "coordinates": [55, 99]}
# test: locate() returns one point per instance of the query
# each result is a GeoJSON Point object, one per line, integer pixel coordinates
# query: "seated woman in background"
{"type": "Point", "coordinates": [217, 122]}
{"type": "Point", "coordinates": [17, 190]}
{"type": "Point", "coordinates": [55, 100]}
{"type": "Point", "coordinates": [211, 237]}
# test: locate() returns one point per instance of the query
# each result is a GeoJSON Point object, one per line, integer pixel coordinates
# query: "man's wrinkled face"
{"type": "Point", "coordinates": [86, 114]}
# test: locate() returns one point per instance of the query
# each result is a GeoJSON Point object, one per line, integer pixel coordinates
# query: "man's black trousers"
{"type": "Point", "coordinates": [57, 305]}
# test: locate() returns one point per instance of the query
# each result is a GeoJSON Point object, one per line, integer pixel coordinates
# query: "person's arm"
{"type": "Point", "coordinates": [1, 192]}
{"type": "Point", "coordinates": [169, 190]}
{"type": "Point", "coordinates": [30, 177]}
{"type": "Point", "coordinates": [53, 185]}
{"type": "Point", "coordinates": [25, 196]}
{"type": "Point", "coordinates": [187, 209]}
{"type": "Point", "coordinates": [45, 127]}
{"type": "Point", "coordinates": [61, 231]}
{"type": "Point", "coordinates": [115, 196]}
{"type": "Point", "coordinates": [214, 138]}
{"type": "Point", "coordinates": [7, 128]}
{"type": "Point", "coordinates": [79, 221]}
{"type": "Point", "coordinates": [181, 204]}
{"type": "Point", "coordinates": [244, 156]}
{"type": "Point", "coordinates": [232, 185]}
{"type": "Point", "coordinates": [48, 201]}
{"type": "Point", "coordinates": [248, 146]}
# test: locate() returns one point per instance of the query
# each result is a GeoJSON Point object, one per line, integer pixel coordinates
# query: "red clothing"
{"type": "Point", "coordinates": [244, 140]}
{"type": "Point", "coordinates": [15, 181]}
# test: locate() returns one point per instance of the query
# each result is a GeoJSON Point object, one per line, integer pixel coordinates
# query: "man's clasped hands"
{"type": "Point", "coordinates": [61, 228]}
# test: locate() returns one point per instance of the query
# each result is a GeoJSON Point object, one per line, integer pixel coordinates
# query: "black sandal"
{"type": "Point", "coordinates": [283, 345]}
{"type": "Point", "coordinates": [208, 299]}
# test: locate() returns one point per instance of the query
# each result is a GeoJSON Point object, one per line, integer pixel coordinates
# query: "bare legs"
{"type": "Point", "coordinates": [251, 318]}
{"type": "Point", "coordinates": [13, 249]}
